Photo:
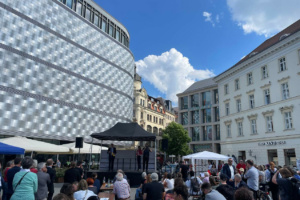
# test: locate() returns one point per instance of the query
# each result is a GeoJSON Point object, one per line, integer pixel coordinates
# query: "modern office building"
{"type": "Point", "coordinates": [153, 114]}
{"type": "Point", "coordinates": [66, 69]}
{"type": "Point", "coordinates": [198, 112]}
{"type": "Point", "coordinates": [260, 102]}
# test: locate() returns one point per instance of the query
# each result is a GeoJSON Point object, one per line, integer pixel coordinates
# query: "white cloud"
{"type": "Point", "coordinates": [171, 73]}
{"type": "Point", "coordinates": [208, 18]}
{"type": "Point", "coordinates": [264, 17]}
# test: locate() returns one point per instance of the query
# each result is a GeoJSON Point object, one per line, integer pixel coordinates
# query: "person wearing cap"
{"type": "Point", "coordinates": [154, 190]}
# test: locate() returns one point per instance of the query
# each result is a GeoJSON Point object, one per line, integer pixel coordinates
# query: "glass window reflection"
{"type": "Point", "coordinates": [206, 98]}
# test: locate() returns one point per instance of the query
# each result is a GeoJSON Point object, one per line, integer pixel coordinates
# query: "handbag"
{"type": "Point", "coordinates": [20, 181]}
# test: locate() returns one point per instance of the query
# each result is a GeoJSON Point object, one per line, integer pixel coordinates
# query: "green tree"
{"type": "Point", "coordinates": [178, 139]}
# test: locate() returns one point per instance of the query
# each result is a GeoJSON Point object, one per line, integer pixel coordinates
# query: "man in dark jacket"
{"type": "Point", "coordinates": [229, 170]}
{"type": "Point", "coordinates": [72, 174]}
{"type": "Point", "coordinates": [11, 174]}
{"type": "Point", "coordinates": [112, 151]}
{"type": "Point", "coordinates": [52, 174]}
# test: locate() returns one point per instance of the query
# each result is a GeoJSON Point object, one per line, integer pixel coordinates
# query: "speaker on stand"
{"type": "Point", "coordinates": [79, 144]}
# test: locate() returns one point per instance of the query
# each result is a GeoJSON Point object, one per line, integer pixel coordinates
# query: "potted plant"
{"type": "Point", "coordinates": [60, 173]}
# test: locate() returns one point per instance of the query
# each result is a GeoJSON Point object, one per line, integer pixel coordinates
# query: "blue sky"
{"type": "Point", "coordinates": [178, 42]}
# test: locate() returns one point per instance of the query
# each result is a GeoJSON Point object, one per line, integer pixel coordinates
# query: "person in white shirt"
{"type": "Point", "coordinates": [189, 184]}
{"type": "Point", "coordinates": [169, 183]}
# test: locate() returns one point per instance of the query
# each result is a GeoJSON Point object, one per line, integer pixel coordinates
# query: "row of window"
{"type": "Point", "coordinates": [267, 98]}
{"type": "Point", "coordinates": [207, 133]}
{"type": "Point", "coordinates": [98, 19]}
{"type": "Point", "coordinates": [195, 116]}
{"type": "Point", "coordinates": [155, 119]}
{"type": "Point", "coordinates": [264, 75]}
{"type": "Point", "coordinates": [206, 99]}
{"type": "Point", "coordinates": [155, 130]}
{"type": "Point", "coordinates": [288, 122]}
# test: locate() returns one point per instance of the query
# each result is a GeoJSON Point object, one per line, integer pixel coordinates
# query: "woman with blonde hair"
{"type": "Point", "coordinates": [269, 174]}
{"type": "Point", "coordinates": [83, 192]}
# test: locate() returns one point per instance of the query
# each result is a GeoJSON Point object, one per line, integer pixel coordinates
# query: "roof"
{"type": "Point", "coordinates": [125, 132]}
{"type": "Point", "coordinates": [200, 85]}
{"type": "Point", "coordinates": [290, 30]}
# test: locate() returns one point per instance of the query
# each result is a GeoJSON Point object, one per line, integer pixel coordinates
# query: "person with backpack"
{"type": "Point", "coordinates": [288, 185]}
{"type": "Point", "coordinates": [194, 184]}
{"type": "Point", "coordinates": [269, 173]}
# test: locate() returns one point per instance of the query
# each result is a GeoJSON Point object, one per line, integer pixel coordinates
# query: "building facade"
{"type": "Point", "coordinates": [66, 69]}
{"type": "Point", "coordinates": [198, 112]}
{"type": "Point", "coordinates": [260, 102]}
{"type": "Point", "coordinates": [152, 114]}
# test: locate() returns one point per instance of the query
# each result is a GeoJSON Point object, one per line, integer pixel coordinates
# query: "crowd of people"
{"type": "Point", "coordinates": [246, 181]}
{"type": "Point", "coordinates": [25, 179]}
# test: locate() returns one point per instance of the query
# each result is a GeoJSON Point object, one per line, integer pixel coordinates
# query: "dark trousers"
{"type": "Point", "coordinates": [145, 162]}
{"type": "Point", "coordinates": [255, 196]}
{"type": "Point", "coordinates": [50, 195]}
{"type": "Point", "coordinates": [4, 189]}
{"type": "Point", "coordinates": [139, 162]}
{"type": "Point", "coordinates": [275, 193]}
{"type": "Point", "coordinates": [111, 162]}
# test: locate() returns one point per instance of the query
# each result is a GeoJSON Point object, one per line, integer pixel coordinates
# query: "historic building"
{"type": "Point", "coordinates": [153, 114]}
{"type": "Point", "coordinates": [260, 102]}
{"type": "Point", "coordinates": [66, 69]}
{"type": "Point", "coordinates": [198, 112]}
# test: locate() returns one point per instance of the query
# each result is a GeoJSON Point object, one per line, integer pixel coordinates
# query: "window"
{"type": "Point", "coordinates": [142, 115]}
{"type": "Point", "coordinates": [285, 91]}
{"type": "Point", "coordinates": [148, 117]}
{"type": "Point", "coordinates": [195, 100]}
{"type": "Point", "coordinates": [227, 109]}
{"type": "Point", "coordinates": [143, 102]}
{"type": "Point", "coordinates": [249, 78]}
{"type": "Point", "coordinates": [238, 105]}
{"type": "Point", "coordinates": [240, 128]}
{"type": "Point", "coordinates": [195, 117]}
{"type": "Point", "coordinates": [103, 24]}
{"type": "Point", "coordinates": [216, 97]}
{"type": "Point", "coordinates": [207, 133]}
{"type": "Point", "coordinates": [288, 120]}
{"type": "Point", "coordinates": [237, 84]}
{"type": "Point", "coordinates": [118, 35]}
{"type": "Point", "coordinates": [184, 103]}
{"type": "Point", "coordinates": [149, 105]}
{"type": "Point", "coordinates": [133, 113]}
{"type": "Point", "coordinates": [78, 8]}
{"type": "Point", "coordinates": [267, 96]}
{"type": "Point", "coordinates": [217, 116]}
{"type": "Point", "coordinates": [111, 30]}
{"type": "Point", "coordinates": [206, 113]}
{"type": "Point", "coordinates": [217, 128]}
{"type": "Point", "coordinates": [226, 89]}
{"type": "Point", "coordinates": [155, 108]}
{"type": "Point", "coordinates": [228, 130]}
{"type": "Point", "coordinates": [206, 98]}
{"type": "Point", "coordinates": [184, 118]}
{"type": "Point", "coordinates": [195, 134]}
{"type": "Point", "coordinates": [264, 72]}
{"type": "Point", "coordinates": [282, 64]}
{"type": "Point", "coordinates": [269, 121]}
{"type": "Point", "coordinates": [88, 13]}
{"type": "Point", "coordinates": [253, 126]}
{"type": "Point", "coordinates": [251, 101]}
{"type": "Point", "coordinates": [69, 3]}
{"type": "Point", "coordinates": [96, 19]}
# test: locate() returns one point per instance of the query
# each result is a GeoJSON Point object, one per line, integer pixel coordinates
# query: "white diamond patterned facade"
{"type": "Point", "coordinates": [60, 76]}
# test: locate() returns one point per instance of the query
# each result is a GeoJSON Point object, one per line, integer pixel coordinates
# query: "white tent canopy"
{"type": "Point", "coordinates": [206, 155]}
{"type": "Point", "coordinates": [34, 145]}
{"type": "Point", "coordinates": [86, 148]}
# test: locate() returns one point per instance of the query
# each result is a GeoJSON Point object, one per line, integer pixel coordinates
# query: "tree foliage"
{"type": "Point", "coordinates": [178, 139]}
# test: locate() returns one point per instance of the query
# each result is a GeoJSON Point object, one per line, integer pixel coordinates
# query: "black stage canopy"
{"type": "Point", "coordinates": [125, 132]}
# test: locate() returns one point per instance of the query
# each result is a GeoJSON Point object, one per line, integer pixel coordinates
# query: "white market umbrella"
{"type": "Point", "coordinates": [86, 148]}
{"type": "Point", "coordinates": [33, 145]}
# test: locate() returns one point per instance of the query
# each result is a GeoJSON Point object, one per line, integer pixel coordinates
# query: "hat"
{"type": "Point", "coordinates": [241, 169]}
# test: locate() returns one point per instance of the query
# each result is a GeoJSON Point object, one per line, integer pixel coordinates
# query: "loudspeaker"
{"type": "Point", "coordinates": [164, 144]}
{"type": "Point", "coordinates": [79, 142]}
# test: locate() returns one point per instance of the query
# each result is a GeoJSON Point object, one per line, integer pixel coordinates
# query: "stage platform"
{"type": "Point", "coordinates": [134, 177]}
